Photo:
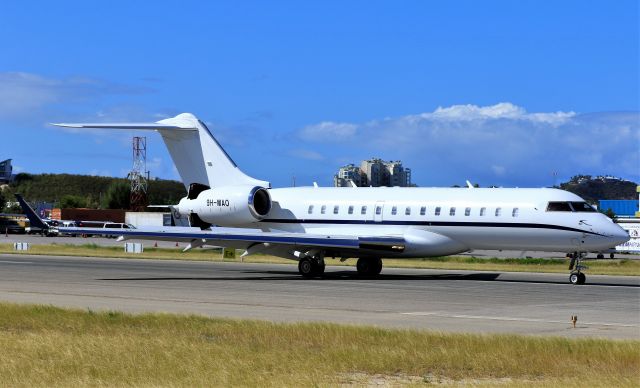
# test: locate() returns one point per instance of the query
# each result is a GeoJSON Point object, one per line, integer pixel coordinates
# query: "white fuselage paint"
{"type": "Point", "coordinates": [530, 227]}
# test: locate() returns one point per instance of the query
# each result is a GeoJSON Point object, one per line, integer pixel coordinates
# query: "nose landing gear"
{"type": "Point", "coordinates": [576, 266]}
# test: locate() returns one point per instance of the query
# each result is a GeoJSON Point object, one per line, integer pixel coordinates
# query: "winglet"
{"type": "Point", "coordinates": [31, 214]}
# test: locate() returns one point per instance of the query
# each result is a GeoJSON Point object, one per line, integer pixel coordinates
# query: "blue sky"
{"type": "Point", "coordinates": [497, 92]}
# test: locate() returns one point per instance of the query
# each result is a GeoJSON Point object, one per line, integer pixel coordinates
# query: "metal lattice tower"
{"type": "Point", "coordinates": [139, 174]}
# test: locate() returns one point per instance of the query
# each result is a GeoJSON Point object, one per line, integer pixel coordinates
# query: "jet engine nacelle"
{"type": "Point", "coordinates": [226, 206]}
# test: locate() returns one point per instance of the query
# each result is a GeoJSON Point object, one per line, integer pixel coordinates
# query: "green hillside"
{"type": "Point", "coordinates": [594, 188]}
{"type": "Point", "coordinates": [89, 189]}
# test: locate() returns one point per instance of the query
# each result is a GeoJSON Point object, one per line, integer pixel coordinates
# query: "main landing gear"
{"type": "Point", "coordinates": [311, 267]}
{"type": "Point", "coordinates": [575, 266]}
{"type": "Point", "coordinates": [367, 266]}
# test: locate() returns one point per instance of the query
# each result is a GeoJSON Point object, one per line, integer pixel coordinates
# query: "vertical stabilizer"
{"type": "Point", "coordinates": [199, 157]}
{"type": "Point", "coordinates": [196, 154]}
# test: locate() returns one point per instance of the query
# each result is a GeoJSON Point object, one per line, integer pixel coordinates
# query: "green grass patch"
{"type": "Point", "coordinates": [48, 346]}
{"type": "Point", "coordinates": [624, 267]}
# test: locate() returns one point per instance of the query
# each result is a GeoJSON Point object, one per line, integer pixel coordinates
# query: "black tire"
{"type": "Point", "coordinates": [577, 278]}
{"type": "Point", "coordinates": [376, 268]}
{"type": "Point", "coordinates": [319, 268]}
{"type": "Point", "coordinates": [600, 256]}
{"type": "Point", "coordinates": [582, 278]}
{"type": "Point", "coordinates": [362, 266]}
{"type": "Point", "coordinates": [368, 266]}
{"type": "Point", "coordinates": [306, 267]}
{"type": "Point", "coordinates": [611, 256]}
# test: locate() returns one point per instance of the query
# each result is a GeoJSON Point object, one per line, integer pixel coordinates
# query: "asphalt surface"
{"type": "Point", "coordinates": [457, 301]}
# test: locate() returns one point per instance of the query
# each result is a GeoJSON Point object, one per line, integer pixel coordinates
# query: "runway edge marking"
{"type": "Point", "coordinates": [463, 316]}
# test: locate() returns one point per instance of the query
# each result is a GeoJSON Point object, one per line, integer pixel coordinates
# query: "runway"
{"type": "Point", "coordinates": [456, 301]}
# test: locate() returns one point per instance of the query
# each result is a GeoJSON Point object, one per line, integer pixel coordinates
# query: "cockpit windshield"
{"type": "Point", "coordinates": [580, 207]}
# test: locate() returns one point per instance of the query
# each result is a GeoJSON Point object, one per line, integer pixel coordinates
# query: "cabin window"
{"type": "Point", "coordinates": [437, 212]}
{"type": "Point", "coordinates": [394, 210]}
{"type": "Point", "coordinates": [483, 211]}
{"type": "Point", "coordinates": [467, 211]}
{"type": "Point", "coordinates": [407, 211]}
{"type": "Point", "coordinates": [514, 213]}
{"type": "Point", "coordinates": [452, 211]}
{"type": "Point", "coordinates": [423, 210]}
{"type": "Point", "coordinates": [323, 209]}
{"type": "Point", "coordinates": [378, 210]}
{"type": "Point", "coordinates": [335, 209]}
{"type": "Point", "coordinates": [350, 209]}
{"type": "Point", "coordinates": [310, 211]}
{"type": "Point", "coordinates": [363, 210]}
{"type": "Point", "coordinates": [498, 211]}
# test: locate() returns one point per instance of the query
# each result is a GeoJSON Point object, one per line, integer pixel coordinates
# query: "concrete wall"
{"type": "Point", "coordinates": [144, 219]}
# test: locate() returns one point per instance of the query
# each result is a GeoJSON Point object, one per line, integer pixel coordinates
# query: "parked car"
{"type": "Point", "coordinates": [50, 231]}
{"type": "Point", "coordinates": [67, 224]}
{"type": "Point", "coordinates": [90, 224]}
{"type": "Point", "coordinates": [116, 225]}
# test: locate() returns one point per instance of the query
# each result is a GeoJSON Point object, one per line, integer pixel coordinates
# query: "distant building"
{"type": "Point", "coordinates": [620, 207]}
{"type": "Point", "coordinates": [349, 173]}
{"type": "Point", "coordinates": [374, 172]}
{"type": "Point", "coordinates": [6, 171]}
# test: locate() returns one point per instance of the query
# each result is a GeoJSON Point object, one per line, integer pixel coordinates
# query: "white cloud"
{"type": "Point", "coordinates": [498, 170]}
{"type": "Point", "coordinates": [98, 172]}
{"type": "Point", "coordinates": [503, 110]}
{"type": "Point", "coordinates": [306, 154]}
{"type": "Point", "coordinates": [328, 131]}
{"type": "Point", "coordinates": [497, 144]}
{"type": "Point", "coordinates": [23, 93]}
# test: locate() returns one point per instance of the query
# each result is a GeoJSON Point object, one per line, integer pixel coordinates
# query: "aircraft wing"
{"type": "Point", "coordinates": [239, 238]}
{"type": "Point", "coordinates": [245, 238]}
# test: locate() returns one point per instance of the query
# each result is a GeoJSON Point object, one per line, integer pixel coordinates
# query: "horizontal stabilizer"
{"type": "Point", "coordinates": [142, 126]}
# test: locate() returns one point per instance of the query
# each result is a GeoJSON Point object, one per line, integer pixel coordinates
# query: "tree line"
{"type": "Point", "coordinates": [85, 191]}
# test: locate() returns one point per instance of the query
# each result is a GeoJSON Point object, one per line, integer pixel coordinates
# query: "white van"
{"type": "Point", "coordinates": [116, 225]}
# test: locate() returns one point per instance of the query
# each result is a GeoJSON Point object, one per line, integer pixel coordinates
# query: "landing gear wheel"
{"type": "Point", "coordinates": [577, 278]}
{"type": "Point", "coordinates": [309, 267]}
{"type": "Point", "coordinates": [306, 268]}
{"type": "Point", "coordinates": [376, 268]}
{"type": "Point", "coordinates": [319, 268]}
{"type": "Point", "coordinates": [600, 256]}
{"type": "Point", "coordinates": [368, 266]}
{"type": "Point", "coordinates": [612, 256]}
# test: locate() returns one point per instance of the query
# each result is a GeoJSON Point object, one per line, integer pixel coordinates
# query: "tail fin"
{"type": "Point", "coordinates": [196, 154]}
{"type": "Point", "coordinates": [34, 219]}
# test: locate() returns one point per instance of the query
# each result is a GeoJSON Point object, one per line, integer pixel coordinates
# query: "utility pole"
{"type": "Point", "coordinates": [138, 177]}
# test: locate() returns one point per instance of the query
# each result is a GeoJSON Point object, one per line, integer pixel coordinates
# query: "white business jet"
{"type": "Point", "coordinates": [309, 224]}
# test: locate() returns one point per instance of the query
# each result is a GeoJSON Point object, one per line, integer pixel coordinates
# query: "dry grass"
{"type": "Point", "coordinates": [596, 267]}
{"type": "Point", "coordinates": [47, 346]}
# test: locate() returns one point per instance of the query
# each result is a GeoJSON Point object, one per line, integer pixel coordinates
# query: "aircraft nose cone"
{"type": "Point", "coordinates": [619, 235]}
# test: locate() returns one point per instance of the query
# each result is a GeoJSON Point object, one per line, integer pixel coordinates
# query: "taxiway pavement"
{"type": "Point", "coordinates": [445, 300]}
